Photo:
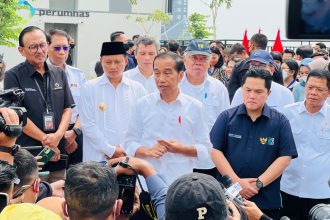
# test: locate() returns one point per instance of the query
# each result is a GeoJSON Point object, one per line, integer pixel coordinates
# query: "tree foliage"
{"type": "Point", "coordinates": [147, 21]}
{"type": "Point", "coordinates": [197, 26]}
{"type": "Point", "coordinates": [214, 6]}
{"type": "Point", "coordinates": [10, 22]}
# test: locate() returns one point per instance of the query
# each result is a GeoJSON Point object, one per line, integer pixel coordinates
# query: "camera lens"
{"type": "Point", "coordinates": [320, 211]}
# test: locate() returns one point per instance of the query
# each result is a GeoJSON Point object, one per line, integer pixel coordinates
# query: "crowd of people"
{"type": "Point", "coordinates": [181, 119]}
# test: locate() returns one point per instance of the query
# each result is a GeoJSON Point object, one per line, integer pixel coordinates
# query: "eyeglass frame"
{"type": "Point", "coordinates": [42, 46]}
{"type": "Point", "coordinates": [61, 47]}
{"type": "Point", "coordinates": [19, 192]}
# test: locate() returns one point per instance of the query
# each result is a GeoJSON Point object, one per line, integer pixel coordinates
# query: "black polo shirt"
{"type": "Point", "coordinates": [59, 98]}
{"type": "Point", "coordinates": [251, 147]}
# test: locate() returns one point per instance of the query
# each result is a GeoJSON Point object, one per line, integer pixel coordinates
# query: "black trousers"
{"type": "Point", "coordinates": [298, 208]}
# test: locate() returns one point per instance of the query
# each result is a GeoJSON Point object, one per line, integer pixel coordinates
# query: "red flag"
{"type": "Point", "coordinates": [245, 42]}
{"type": "Point", "coordinates": [278, 43]}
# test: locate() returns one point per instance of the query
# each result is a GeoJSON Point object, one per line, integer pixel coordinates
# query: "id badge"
{"type": "Point", "coordinates": [49, 122]}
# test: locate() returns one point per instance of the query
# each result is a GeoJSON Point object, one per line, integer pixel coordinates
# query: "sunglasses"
{"type": "Point", "coordinates": [24, 188]}
{"type": "Point", "coordinates": [58, 48]}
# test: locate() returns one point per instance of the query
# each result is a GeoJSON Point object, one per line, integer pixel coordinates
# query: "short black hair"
{"type": "Point", "coordinates": [237, 48]}
{"type": "Point", "coordinates": [323, 74]}
{"type": "Point", "coordinates": [321, 45]}
{"type": "Point", "coordinates": [7, 176]}
{"type": "Point", "coordinates": [260, 40]}
{"type": "Point", "coordinates": [304, 51]}
{"type": "Point", "coordinates": [289, 51]}
{"type": "Point", "coordinates": [259, 73]}
{"type": "Point", "coordinates": [53, 32]}
{"type": "Point", "coordinates": [28, 30]}
{"type": "Point", "coordinates": [276, 56]}
{"type": "Point", "coordinates": [26, 166]}
{"type": "Point", "coordinates": [115, 34]}
{"type": "Point", "coordinates": [90, 190]}
{"type": "Point", "coordinates": [293, 66]}
{"type": "Point", "coordinates": [179, 65]}
{"type": "Point", "coordinates": [173, 46]}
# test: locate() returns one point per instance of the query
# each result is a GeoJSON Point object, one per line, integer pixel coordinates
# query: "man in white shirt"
{"type": "Point", "coordinates": [58, 53]}
{"type": "Point", "coordinates": [208, 90]}
{"type": "Point", "coordinates": [145, 53]}
{"type": "Point", "coordinates": [105, 105]}
{"type": "Point", "coordinates": [305, 181]}
{"type": "Point", "coordinates": [280, 95]}
{"type": "Point", "coordinates": [168, 128]}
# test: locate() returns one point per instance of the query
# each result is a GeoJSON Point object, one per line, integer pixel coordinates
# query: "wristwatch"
{"type": "Point", "coordinates": [259, 184]}
{"type": "Point", "coordinates": [77, 131]}
{"type": "Point", "coordinates": [10, 150]}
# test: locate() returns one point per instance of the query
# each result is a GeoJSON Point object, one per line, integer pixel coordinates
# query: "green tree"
{"type": "Point", "coordinates": [147, 21]}
{"type": "Point", "coordinates": [214, 6]}
{"type": "Point", "coordinates": [197, 26]}
{"type": "Point", "coordinates": [10, 22]}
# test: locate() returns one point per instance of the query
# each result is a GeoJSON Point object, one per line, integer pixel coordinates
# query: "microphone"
{"type": "Point", "coordinates": [284, 218]}
{"type": "Point", "coordinates": [231, 189]}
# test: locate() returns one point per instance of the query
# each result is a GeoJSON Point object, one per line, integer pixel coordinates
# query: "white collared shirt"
{"type": "Point", "coordinates": [279, 97]}
{"type": "Point", "coordinates": [148, 83]}
{"type": "Point", "coordinates": [214, 96]}
{"type": "Point", "coordinates": [76, 79]}
{"type": "Point", "coordinates": [104, 114]}
{"type": "Point", "coordinates": [181, 120]}
{"type": "Point", "coordinates": [307, 176]}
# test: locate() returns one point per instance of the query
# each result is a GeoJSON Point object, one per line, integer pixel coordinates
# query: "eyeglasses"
{"type": "Point", "coordinates": [261, 65]}
{"type": "Point", "coordinates": [318, 89]}
{"type": "Point", "coordinates": [35, 47]}
{"type": "Point", "coordinates": [58, 48]}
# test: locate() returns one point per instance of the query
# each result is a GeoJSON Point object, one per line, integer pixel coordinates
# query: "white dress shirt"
{"type": "Point", "coordinates": [214, 96]}
{"type": "Point", "coordinates": [307, 176]}
{"type": "Point", "coordinates": [279, 97]}
{"type": "Point", "coordinates": [76, 79]}
{"type": "Point", "coordinates": [181, 120]}
{"type": "Point", "coordinates": [148, 83]}
{"type": "Point", "coordinates": [104, 114]}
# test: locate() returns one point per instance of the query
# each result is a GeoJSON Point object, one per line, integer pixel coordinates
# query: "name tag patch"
{"type": "Point", "coordinates": [30, 90]}
{"type": "Point", "coordinates": [267, 140]}
{"type": "Point", "coordinates": [235, 135]}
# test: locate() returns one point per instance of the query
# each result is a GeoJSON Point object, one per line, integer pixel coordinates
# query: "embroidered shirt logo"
{"type": "Point", "coordinates": [263, 140]}
{"type": "Point", "coordinates": [234, 135]}
{"type": "Point", "coordinates": [57, 86]}
{"type": "Point", "coordinates": [30, 90]}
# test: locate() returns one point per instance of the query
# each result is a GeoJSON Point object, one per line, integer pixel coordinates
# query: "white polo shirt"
{"type": "Point", "coordinates": [307, 176]}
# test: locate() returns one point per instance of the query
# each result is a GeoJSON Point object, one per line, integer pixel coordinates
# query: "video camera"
{"type": "Point", "coordinates": [11, 98]}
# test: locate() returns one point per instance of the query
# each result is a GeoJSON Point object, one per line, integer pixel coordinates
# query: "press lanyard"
{"type": "Point", "coordinates": [41, 93]}
{"type": "Point", "coordinates": [291, 83]}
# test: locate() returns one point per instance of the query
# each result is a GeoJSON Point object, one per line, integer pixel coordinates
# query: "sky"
{"type": "Point", "coordinates": [268, 15]}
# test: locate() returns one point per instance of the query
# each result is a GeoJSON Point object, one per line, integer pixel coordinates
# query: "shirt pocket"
{"type": "Point", "coordinates": [212, 107]}
{"type": "Point", "coordinates": [324, 140]}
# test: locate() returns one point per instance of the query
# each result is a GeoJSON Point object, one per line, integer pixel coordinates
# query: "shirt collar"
{"type": "Point", "coordinates": [205, 82]}
{"type": "Point", "coordinates": [104, 80]}
{"type": "Point", "coordinates": [32, 70]}
{"type": "Point", "coordinates": [323, 110]}
{"type": "Point", "coordinates": [265, 111]}
{"type": "Point", "coordinates": [179, 98]}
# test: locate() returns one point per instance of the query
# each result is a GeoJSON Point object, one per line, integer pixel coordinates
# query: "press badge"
{"type": "Point", "coordinates": [49, 122]}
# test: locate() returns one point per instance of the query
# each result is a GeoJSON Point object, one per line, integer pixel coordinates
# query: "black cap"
{"type": "Point", "coordinates": [113, 48]}
{"type": "Point", "coordinates": [195, 196]}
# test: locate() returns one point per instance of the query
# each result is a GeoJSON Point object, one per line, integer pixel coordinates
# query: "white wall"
{"type": "Point", "coordinates": [91, 31]}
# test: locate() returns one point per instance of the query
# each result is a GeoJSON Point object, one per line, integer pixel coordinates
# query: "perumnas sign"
{"type": "Point", "coordinates": [81, 14]}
